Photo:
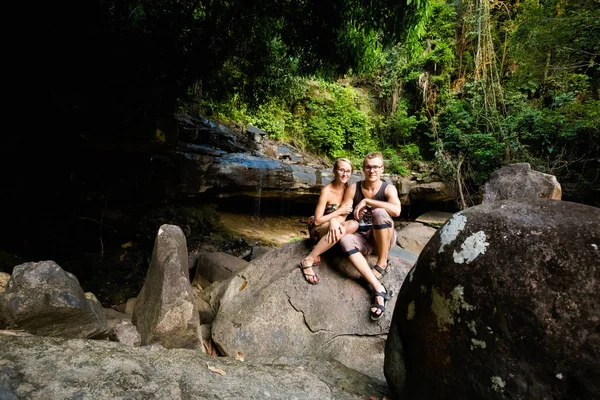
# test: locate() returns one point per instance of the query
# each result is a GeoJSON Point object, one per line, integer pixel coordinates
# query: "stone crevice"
{"type": "Point", "coordinates": [304, 317]}
{"type": "Point", "coordinates": [353, 335]}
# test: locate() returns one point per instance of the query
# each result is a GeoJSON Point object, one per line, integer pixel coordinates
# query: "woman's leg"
{"type": "Point", "coordinates": [323, 245]}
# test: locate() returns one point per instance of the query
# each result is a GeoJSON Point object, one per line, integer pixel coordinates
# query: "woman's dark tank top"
{"type": "Point", "coordinates": [358, 194]}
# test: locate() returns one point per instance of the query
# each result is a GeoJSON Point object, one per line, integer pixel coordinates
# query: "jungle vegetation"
{"type": "Point", "coordinates": [466, 85]}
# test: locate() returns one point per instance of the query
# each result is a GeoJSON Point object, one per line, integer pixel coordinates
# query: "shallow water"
{"type": "Point", "coordinates": [266, 230]}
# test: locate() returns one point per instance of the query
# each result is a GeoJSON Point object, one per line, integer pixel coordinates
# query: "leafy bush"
{"type": "Point", "coordinates": [338, 121]}
{"type": "Point", "coordinates": [271, 118]}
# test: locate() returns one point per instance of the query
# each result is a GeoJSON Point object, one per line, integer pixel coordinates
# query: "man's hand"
{"type": "Point", "coordinates": [359, 209]}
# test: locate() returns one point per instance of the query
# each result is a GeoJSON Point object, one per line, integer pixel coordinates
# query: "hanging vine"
{"type": "Point", "coordinates": [477, 30]}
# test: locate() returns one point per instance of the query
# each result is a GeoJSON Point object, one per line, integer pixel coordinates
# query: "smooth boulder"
{"type": "Point", "coordinates": [269, 309]}
{"type": "Point", "coordinates": [502, 303]}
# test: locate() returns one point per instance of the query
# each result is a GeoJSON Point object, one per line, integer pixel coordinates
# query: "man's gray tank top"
{"type": "Point", "coordinates": [358, 194]}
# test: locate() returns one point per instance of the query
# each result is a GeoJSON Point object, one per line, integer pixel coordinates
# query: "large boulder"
{"type": "Point", "coordinates": [165, 310]}
{"type": "Point", "coordinates": [519, 181]}
{"type": "Point", "coordinates": [50, 368]}
{"type": "Point", "coordinates": [43, 299]}
{"type": "Point", "coordinates": [269, 309]}
{"type": "Point", "coordinates": [502, 303]}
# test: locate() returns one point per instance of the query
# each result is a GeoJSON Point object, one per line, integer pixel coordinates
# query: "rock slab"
{"type": "Point", "coordinates": [50, 368]}
{"type": "Point", "coordinates": [414, 236]}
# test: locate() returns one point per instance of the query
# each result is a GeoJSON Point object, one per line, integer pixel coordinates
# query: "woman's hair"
{"type": "Point", "coordinates": [342, 159]}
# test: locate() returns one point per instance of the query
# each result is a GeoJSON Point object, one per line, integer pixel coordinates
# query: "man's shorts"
{"type": "Point", "coordinates": [364, 242]}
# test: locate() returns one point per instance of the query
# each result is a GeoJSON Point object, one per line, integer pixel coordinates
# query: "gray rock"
{"type": "Point", "coordinates": [432, 192]}
{"type": "Point", "coordinates": [269, 310]}
{"type": "Point", "coordinates": [437, 218]}
{"type": "Point", "coordinates": [519, 181]}
{"type": "Point", "coordinates": [217, 266]}
{"type": "Point", "coordinates": [120, 328]}
{"type": "Point", "coordinates": [502, 304]}
{"type": "Point", "coordinates": [130, 305]}
{"type": "Point", "coordinates": [414, 237]}
{"type": "Point", "coordinates": [165, 310]}
{"type": "Point", "coordinates": [126, 333]}
{"type": "Point", "coordinates": [205, 310]}
{"type": "Point", "coordinates": [43, 299]}
{"type": "Point", "coordinates": [408, 257]}
{"type": "Point", "coordinates": [4, 277]}
{"type": "Point", "coordinates": [49, 368]}
{"type": "Point", "coordinates": [404, 186]}
{"type": "Point", "coordinates": [258, 251]}
{"type": "Point", "coordinates": [257, 131]}
{"type": "Point", "coordinates": [113, 316]}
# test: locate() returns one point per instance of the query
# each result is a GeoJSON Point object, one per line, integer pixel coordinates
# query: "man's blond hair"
{"type": "Point", "coordinates": [373, 155]}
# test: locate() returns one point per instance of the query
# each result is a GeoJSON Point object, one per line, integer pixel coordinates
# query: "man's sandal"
{"type": "Point", "coordinates": [382, 271]}
{"type": "Point", "coordinates": [308, 276]}
{"type": "Point", "coordinates": [386, 296]}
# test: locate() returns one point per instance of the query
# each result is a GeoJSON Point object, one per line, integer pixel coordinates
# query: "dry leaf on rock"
{"type": "Point", "coordinates": [217, 370]}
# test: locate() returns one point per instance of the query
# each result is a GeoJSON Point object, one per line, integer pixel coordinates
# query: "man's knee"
{"type": "Point", "coordinates": [381, 219]}
{"type": "Point", "coordinates": [346, 242]}
{"type": "Point", "coordinates": [349, 244]}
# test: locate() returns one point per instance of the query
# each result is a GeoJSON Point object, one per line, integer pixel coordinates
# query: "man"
{"type": "Point", "coordinates": [380, 236]}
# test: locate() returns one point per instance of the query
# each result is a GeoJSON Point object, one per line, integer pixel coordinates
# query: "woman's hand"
{"type": "Point", "coordinates": [336, 231]}
{"type": "Point", "coordinates": [345, 208]}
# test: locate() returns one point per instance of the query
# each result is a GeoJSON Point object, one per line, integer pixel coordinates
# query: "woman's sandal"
{"type": "Point", "coordinates": [386, 296]}
{"type": "Point", "coordinates": [382, 271]}
{"type": "Point", "coordinates": [307, 276]}
{"type": "Point", "coordinates": [317, 261]}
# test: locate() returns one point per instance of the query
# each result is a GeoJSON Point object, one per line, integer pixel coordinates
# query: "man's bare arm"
{"type": "Point", "coordinates": [392, 205]}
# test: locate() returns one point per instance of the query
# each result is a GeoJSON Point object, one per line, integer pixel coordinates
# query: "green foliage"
{"type": "Point", "coordinates": [473, 86]}
{"type": "Point", "coordinates": [403, 126]}
{"type": "Point", "coordinates": [394, 163]}
{"type": "Point", "coordinates": [462, 135]}
{"type": "Point", "coordinates": [337, 122]}
{"type": "Point", "coordinates": [555, 37]}
{"type": "Point", "coordinates": [271, 117]}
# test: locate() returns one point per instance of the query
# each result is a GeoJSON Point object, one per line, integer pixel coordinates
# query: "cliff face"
{"type": "Point", "coordinates": [220, 163]}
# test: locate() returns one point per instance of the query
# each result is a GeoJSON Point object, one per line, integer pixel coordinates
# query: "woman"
{"type": "Point", "coordinates": [324, 227]}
